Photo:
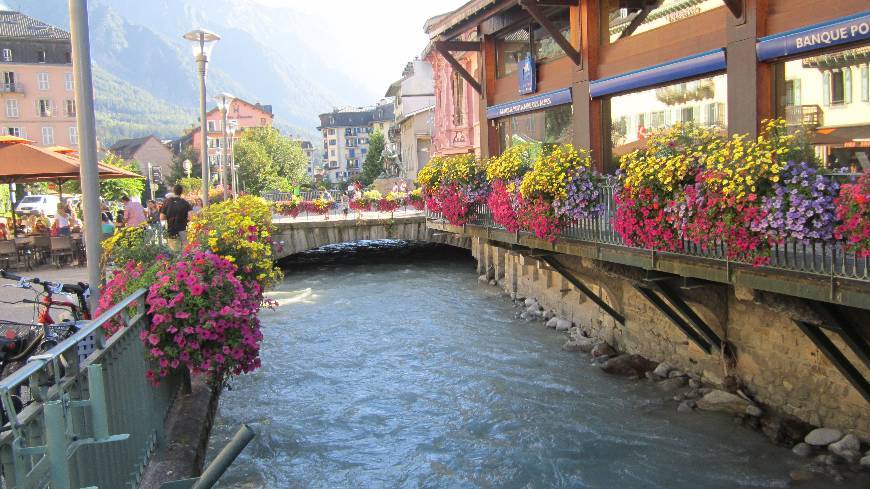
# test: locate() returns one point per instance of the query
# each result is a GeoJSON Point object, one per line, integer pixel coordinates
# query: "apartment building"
{"type": "Point", "coordinates": [346, 134]}
{"type": "Point", "coordinates": [37, 100]}
{"type": "Point", "coordinates": [414, 107]}
{"type": "Point", "coordinates": [311, 155]}
{"type": "Point", "coordinates": [241, 115]}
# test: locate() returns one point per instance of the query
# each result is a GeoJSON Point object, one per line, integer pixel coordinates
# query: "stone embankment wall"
{"type": "Point", "coordinates": [300, 236]}
{"type": "Point", "coordinates": [775, 362]}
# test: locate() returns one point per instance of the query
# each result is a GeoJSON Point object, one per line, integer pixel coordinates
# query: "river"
{"type": "Point", "coordinates": [391, 366]}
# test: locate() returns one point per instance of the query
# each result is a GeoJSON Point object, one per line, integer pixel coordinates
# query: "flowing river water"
{"type": "Point", "coordinates": [388, 365]}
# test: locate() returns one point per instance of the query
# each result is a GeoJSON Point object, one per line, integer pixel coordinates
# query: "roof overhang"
{"type": "Point", "coordinates": [471, 14]}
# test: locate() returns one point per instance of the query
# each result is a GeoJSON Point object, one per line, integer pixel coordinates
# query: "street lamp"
{"type": "Point", "coordinates": [202, 42]}
{"type": "Point", "coordinates": [234, 181]}
{"type": "Point", "coordinates": [224, 100]}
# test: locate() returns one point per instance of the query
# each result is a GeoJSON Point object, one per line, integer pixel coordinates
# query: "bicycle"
{"type": "Point", "coordinates": [21, 341]}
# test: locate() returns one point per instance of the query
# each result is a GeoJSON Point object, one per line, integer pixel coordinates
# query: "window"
{"type": "Point", "coordinates": [214, 142]}
{"type": "Point", "coordinates": [70, 108]}
{"type": "Point", "coordinates": [212, 126]}
{"type": "Point", "coordinates": [510, 48]}
{"type": "Point", "coordinates": [73, 136]}
{"type": "Point", "coordinates": [351, 153]}
{"type": "Point", "coordinates": [458, 92]}
{"type": "Point", "coordinates": [12, 108]}
{"type": "Point", "coordinates": [16, 131]}
{"type": "Point", "coordinates": [622, 15]}
{"type": "Point", "coordinates": [47, 136]}
{"type": "Point", "coordinates": [67, 57]}
{"type": "Point", "coordinates": [9, 81]}
{"type": "Point", "coordinates": [332, 132]}
{"type": "Point", "coordinates": [634, 114]}
{"type": "Point", "coordinates": [43, 107]}
{"type": "Point", "coordinates": [364, 151]}
{"type": "Point", "coordinates": [543, 126]}
{"type": "Point", "coordinates": [68, 81]}
{"type": "Point", "coordinates": [545, 47]}
{"type": "Point", "coordinates": [837, 86]}
{"type": "Point", "coordinates": [825, 95]}
{"type": "Point", "coordinates": [7, 54]}
{"type": "Point", "coordinates": [42, 56]}
{"type": "Point", "coordinates": [332, 142]}
{"type": "Point", "coordinates": [42, 81]}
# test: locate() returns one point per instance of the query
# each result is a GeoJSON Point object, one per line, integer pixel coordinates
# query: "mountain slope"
{"type": "Point", "coordinates": [268, 55]}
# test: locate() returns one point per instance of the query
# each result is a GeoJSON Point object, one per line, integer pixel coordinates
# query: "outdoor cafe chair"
{"type": "Point", "coordinates": [8, 251]}
{"type": "Point", "coordinates": [61, 249]}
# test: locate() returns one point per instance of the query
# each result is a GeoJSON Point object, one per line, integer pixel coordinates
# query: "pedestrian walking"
{"type": "Point", "coordinates": [134, 213]}
{"type": "Point", "coordinates": [177, 212]}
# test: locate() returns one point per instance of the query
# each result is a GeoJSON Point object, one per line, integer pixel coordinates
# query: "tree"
{"type": "Point", "coordinates": [374, 163]}
{"type": "Point", "coordinates": [177, 169]}
{"type": "Point", "coordinates": [267, 161]}
{"type": "Point", "coordinates": [114, 188]}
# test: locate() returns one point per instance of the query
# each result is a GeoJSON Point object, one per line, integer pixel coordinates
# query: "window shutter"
{"type": "Point", "coordinates": [847, 85]}
{"type": "Point", "coordinates": [826, 88]}
{"type": "Point", "coordinates": [865, 83]}
{"type": "Point", "coordinates": [796, 87]}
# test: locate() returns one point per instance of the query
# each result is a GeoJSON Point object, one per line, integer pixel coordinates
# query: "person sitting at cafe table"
{"type": "Point", "coordinates": [61, 225]}
{"type": "Point", "coordinates": [39, 223]}
{"type": "Point", "coordinates": [108, 227]}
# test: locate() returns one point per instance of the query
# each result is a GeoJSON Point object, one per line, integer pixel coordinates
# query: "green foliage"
{"type": "Point", "coordinates": [191, 185]}
{"type": "Point", "coordinates": [141, 244]}
{"type": "Point", "coordinates": [114, 188]}
{"type": "Point", "coordinates": [374, 163]}
{"type": "Point", "coordinates": [177, 170]}
{"type": "Point", "coordinates": [125, 111]}
{"type": "Point", "coordinates": [267, 161]}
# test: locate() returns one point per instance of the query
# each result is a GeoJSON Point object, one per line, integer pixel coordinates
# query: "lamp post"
{"type": "Point", "coordinates": [234, 181]}
{"type": "Point", "coordinates": [86, 126]}
{"type": "Point", "coordinates": [202, 42]}
{"type": "Point", "coordinates": [224, 100]}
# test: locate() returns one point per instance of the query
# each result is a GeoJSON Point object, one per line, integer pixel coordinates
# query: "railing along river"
{"type": "Point", "coordinates": [95, 419]}
{"type": "Point", "coordinates": [826, 258]}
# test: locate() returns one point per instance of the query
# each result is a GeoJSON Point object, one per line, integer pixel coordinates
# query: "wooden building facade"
{"type": "Point", "coordinates": [602, 73]}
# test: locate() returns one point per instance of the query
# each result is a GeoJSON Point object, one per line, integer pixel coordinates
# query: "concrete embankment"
{"type": "Point", "coordinates": [768, 375]}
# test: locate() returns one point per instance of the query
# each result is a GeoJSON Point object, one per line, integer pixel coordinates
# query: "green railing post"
{"type": "Point", "coordinates": [99, 411]}
{"type": "Point", "coordinates": [56, 444]}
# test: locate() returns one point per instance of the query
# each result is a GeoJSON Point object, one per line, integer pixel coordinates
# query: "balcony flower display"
{"type": "Point", "coordinates": [504, 174]}
{"type": "Point", "coordinates": [366, 201]}
{"type": "Point", "coordinates": [415, 199]}
{"type": "Point", "coordinates": [799, 206]}
{"type": "Point", "coordinates": [563, 179]}
{"type": "Point", "coordinates": [290, 208]}
{"type": "Point", "coordinates": [319, 206]}
{"type": "Point", "coordinates": [853, 213]}
{"type": "Point", "coordinates": [391, 201]}
{"type": "Point", "coordinates": [452, 185]}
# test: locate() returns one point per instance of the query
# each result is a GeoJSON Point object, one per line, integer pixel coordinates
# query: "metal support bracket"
{"type": "Point", "coordinates": [580, 286]}
{"type": "Point", "coordinates": [647, 7]}
{"type": "Point", "coordinates": [827, 347]}
{"type": "Point", "coordinates": [675, 317]}
{"type": "Point", "coordinates": [670, 293]}
{"type": "Point", "coordinates": [444, 48]}
{"type": "Point", "coordinates": [735, 6]}
{"type": "Point", "coordinates": [839, 322]}
{"type": "Point", "coordinates": [534, 9]}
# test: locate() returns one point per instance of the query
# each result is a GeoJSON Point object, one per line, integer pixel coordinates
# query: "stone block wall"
{"type": "Point", "coordinates": [775, 362]}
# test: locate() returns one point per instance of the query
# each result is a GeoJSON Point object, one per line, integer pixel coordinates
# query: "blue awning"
{"type": "Point", "coordinates": [845, 30]}
{"type": "Point", "coordinates": [538, 102]}
{"type": "Point", "coordinates": [689, 67]}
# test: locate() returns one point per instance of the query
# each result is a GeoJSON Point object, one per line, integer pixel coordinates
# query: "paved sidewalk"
{"type": "Point", "coordinates": [24, 312]}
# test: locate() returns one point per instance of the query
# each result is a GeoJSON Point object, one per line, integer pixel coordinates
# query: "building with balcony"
{"type": "Point", "coordinates": [346, 134]}
{"type": "Point", "coordinates": [37, 100]}
{"type": "Point", "coordinates": [456, 124]}
{"type": "Point", "coordinates": [242, 114]}
{"type": "Point", "coordinates": [414, 107]}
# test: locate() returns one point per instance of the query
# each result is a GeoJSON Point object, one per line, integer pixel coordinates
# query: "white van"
{"type": "Point", "coordinates": [32, 204]}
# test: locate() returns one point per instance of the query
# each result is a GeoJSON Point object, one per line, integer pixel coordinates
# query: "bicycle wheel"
{"type": "Point", "coordinates": [21, 396]}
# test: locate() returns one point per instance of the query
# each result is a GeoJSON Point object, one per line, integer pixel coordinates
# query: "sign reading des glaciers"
{"type": "Point", "coordinates": [845, 30]}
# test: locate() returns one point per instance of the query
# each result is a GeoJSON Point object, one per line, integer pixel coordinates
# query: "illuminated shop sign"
{"type": "Point", "coordinates": [820, 36]}
{"type": "Point", "coordinates": [538, 102]}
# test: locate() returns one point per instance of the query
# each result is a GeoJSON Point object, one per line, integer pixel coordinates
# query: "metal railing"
{"type": "Point", "coordinates": [95, 419]}
{"type": "Point", "coordinates": [824, 258]}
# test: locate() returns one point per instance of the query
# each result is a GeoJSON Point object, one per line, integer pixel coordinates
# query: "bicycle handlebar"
{"type": "Point", "coordinates": [77, 289]}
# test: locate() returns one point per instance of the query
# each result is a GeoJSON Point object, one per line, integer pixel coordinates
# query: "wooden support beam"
{"type": "Point", "coordinates": [457, 66]}
{"type": "Point", "coordinates": [735, 6]}
{"type": "Point", "coordinates": [639, 18]}
{"type": "Point", "coordinates": [460, 45]}
{"type": "Point", "coordinates": [532, 7]}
